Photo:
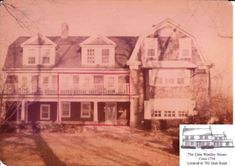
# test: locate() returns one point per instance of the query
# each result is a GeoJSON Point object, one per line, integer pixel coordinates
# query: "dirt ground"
{"type": "Point", "coordinates": [93, 146]}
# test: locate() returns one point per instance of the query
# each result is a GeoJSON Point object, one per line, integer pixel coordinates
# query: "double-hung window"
{"type": "Point", "coordinates": [85, 110]}
{"type": "Point", "coordinates": [66, 109]}
{"type": "Point", "coordinates": [105, 56]}
{"type": "Point", "coordinates": [91, 56]}
{"type": "Point", "coordinates": [45, 112]}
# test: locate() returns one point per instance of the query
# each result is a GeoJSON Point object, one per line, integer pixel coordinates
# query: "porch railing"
{"type": "Point", "coordinates": [95, 90]}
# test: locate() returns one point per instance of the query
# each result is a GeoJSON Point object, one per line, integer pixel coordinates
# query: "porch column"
{"type": "Point", "coordinates": [22, 117]}
{"type": "Point", "coordinates": [95, 118]}
{"type": "Point", "coordinates": [133, 111]}
{"type": "Point", "coordinates": [26, 112]}
{"type": "Point", "coordinates": [58, 120]}
{"type": "Point", "coordinates": [18, 112]}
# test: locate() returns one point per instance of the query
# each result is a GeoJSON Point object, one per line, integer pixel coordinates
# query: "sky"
{"type": "Point", "coordinates": [210, 21]}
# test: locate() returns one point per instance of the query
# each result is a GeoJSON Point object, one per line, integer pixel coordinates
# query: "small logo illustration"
{"type": "Point", "coordinates": [2, 164]}
{"type": "Point", "coordinates": [204, 138]}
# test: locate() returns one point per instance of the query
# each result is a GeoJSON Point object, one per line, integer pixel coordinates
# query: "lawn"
{"type": "Point", "coordinates": [90, 147]}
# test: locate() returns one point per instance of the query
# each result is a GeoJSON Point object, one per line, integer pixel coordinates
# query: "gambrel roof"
{"type": "Point", "coordinates": [172, 27]}
{"type": "Point", "coordinates": [68, 51]}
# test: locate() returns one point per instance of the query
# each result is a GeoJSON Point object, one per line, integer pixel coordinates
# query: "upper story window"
{"type": "Point", "coordinates": [151, 49]}
{"type": "Point", "coordinates": [185, 48]}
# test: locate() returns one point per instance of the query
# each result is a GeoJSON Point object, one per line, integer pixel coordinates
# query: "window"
{"type": "Point", "coordinates": [45, 60]}
{"type": "Point", "coordinates": [169, 113]}
{"type": "Point", "coordinates": [66, 110]}
{"type": "Point", "coordinates": [45, 112]}
{"type": "Point", "coordinates": [85, 110]}
{"type": "Point", "coordinates": [185, 48]}
{"type": "Point", "coordinates": [91, 56]}
{"type": "Point", "coordinates": [76, 81]}
{"type": "Point", "coordinates": [99, 82]}
{"type": "Point", "coordinates": [158, 80]}
{"type": "Point", "coordinates": [105, 55]}
{"type": "Point", "coordinates": [180, 80]}
{"type": "Point", "coordinates": [157, 114]}
{"type": "Point", "coordinates": [86, 81]}
{"type": "Point", "coordinates": [111, 82]}
{"type": "Point", "coordinates": [151, 54]}
{"type": "Point", "coordinates": [151, 46]}
{"type": "Point", "coordinates": [191, 137]}
{"type": "Point", "coordinates": [182, 114]}
{"type": "Point", "coordinates": [11, 83]}
{"type": "Point", "coordinates": [31, 60]}
{"type": "Point", "coordinates": [45, 81]}
{"type": "Point", "coordinates": [169, 80]}
{"type": "Point", "coordinates": [45, 56]}
{"type": "Point", "coordinates": [24, 82]}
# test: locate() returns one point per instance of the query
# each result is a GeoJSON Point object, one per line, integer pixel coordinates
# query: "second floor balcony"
{"type": "Point", "coordinates": [69, 85]}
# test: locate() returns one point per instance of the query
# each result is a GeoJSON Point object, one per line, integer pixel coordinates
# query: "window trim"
{"type": "Point", "coordinates": [81, 112]}
{"type": "Point", "coordinates": [65, 116]}
{"type": "Point", "coordinates": [49, 111]}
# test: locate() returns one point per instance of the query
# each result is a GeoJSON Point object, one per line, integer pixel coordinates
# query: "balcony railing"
{"type": "Point", "coordinates": [95, 90]}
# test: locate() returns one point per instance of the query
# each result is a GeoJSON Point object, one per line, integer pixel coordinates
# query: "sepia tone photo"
{"type": "Point", "coordinates": [108, 82]}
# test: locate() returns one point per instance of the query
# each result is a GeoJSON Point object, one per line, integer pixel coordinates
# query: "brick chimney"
{"type": "Point", "coordinates": [64, 30]}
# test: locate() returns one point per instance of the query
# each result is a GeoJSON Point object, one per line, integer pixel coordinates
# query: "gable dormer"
{"type": "Point", "coordinates": [38, 50]}
{"type": "Point", "coordinates": [98, 50]}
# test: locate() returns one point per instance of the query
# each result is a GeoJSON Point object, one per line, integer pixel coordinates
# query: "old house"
{"type": "Point", "coordinates": [113, 80]}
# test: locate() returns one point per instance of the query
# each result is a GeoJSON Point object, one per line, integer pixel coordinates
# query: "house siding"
{"type": "Point", "coordinates": [34, 111]}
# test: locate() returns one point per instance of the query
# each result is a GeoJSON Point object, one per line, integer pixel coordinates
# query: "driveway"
{"type": "Point", "coordinates": [91, 146]}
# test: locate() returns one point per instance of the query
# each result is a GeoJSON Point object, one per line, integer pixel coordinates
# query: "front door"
{"type": "Point", "coordinates": [110, 110]}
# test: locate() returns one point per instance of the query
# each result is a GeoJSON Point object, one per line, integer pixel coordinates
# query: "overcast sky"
{"type": "Point", "coordinates": [209, 21]}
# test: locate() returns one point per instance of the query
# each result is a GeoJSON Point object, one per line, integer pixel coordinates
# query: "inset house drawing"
{"type": "Point", "coordinates": [204, 138]}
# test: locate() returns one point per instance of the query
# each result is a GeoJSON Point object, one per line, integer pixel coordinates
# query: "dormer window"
{"type": "Point", "coordinates": [98, 51]}
{"type": "Point", "coordinates": [46, 56]}
{"type": "Point", "coordinates": [91, 56]}
{"type": "Point", "coordinates": [31, 60]}
{"type": "Point", "coordinates": [105, 56]}
{"type": "Point", "coordinates": [38, 50]}
{"type": "Point", "coordinates": [45, 60]}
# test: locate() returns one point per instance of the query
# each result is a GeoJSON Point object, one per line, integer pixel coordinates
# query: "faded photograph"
{"type": "Point", "coordinates": [107, 83]}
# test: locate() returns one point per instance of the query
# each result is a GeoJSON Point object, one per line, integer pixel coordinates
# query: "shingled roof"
{"type": "Point", "coordinates": [68, 51]}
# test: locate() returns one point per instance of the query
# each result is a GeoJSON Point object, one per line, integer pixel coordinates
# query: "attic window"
{"type": "Point", "coordinates": [151, 49]}
{"type": "Point", "coordinates": [105, 55]}
{"type": "Point", "coordinates": [185, 48]}
{"type": "Point", "coordinates": [45, 60]}
{"type": "Point", "coordinates": [31, 60]}
{"type": "Point", "coordinates": [91, 56]}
